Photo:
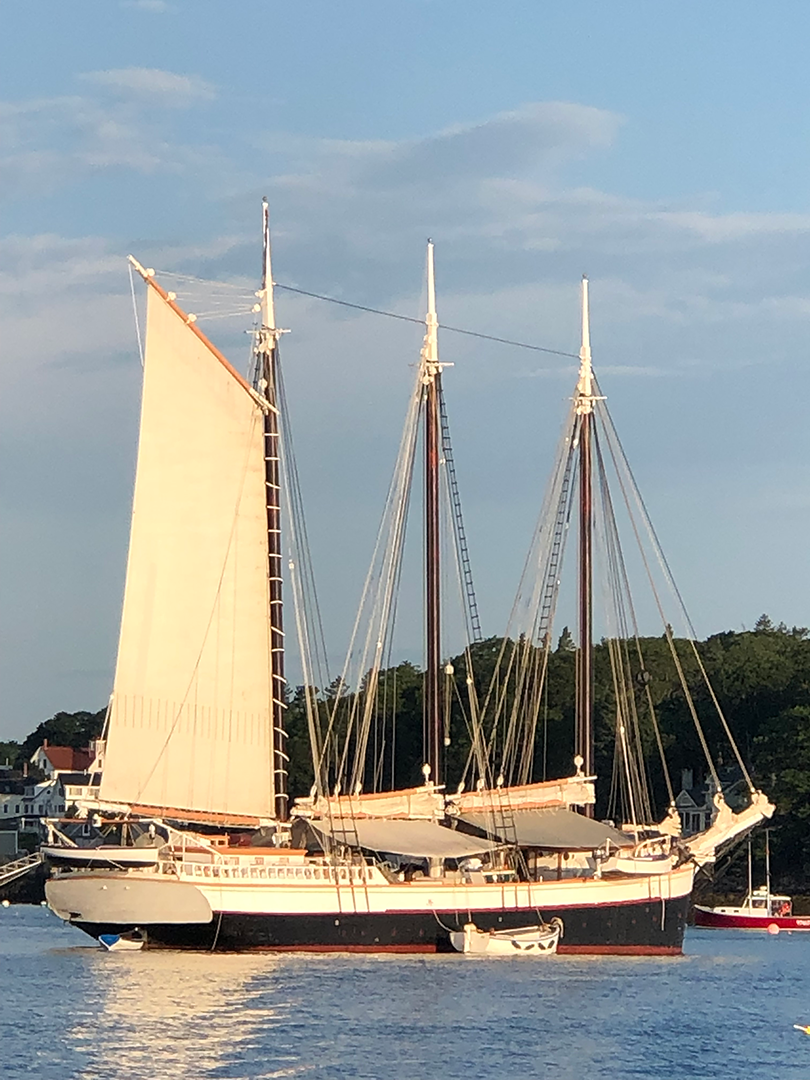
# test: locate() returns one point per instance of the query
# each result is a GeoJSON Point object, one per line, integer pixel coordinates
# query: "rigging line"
{"type": "Point", "coordinates": [245, 289]}
{"type": "Point", "coordinates": [495, 697]}
{"type": "Point", "coordinates": [135, 311]}
{"type": "Point", "coordinates": [624, 607]}
{"type": "Point", "coordinates": [378, 311]}
{"type": "Point", "coordinates": [386, 602]}
{"type": "Point", "coordinates": [291, 467]}
{"type": "Point", "coordinates": [369, 604]}
{"type": "Point", "coordinates": [421, 322]}
{"type": "Point", "coordinates": [238, 313]}
{"type": "Point", "coordinates": [664, 564]}
{"type": "Point", "coordinates": [668, 633]}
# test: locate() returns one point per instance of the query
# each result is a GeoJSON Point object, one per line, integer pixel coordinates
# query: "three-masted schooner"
{"type": "Point", "coordinates": [195, 745]}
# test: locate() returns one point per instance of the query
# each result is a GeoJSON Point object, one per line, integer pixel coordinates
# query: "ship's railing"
{"type": "Point", "coordinates": [341, 875]}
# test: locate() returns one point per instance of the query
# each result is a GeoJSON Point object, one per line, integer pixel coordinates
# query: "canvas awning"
{"type": "Point", "coordinates": [554, 828]}
{"type": "Point", "coordinates": [420, 839]}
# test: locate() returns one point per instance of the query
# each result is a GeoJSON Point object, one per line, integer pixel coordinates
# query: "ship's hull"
{"type": "Point", "coordinates": [631, 917]}
{"type": "Point", "coordinates": [712, 919]}
{"type": "Point", "coordinates": [630, 930]}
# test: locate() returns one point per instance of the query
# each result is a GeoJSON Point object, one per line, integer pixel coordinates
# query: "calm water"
{"type": "Point", "coordinates": [726, 1009]}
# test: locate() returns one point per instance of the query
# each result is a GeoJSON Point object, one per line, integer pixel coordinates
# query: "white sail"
{"type": "Point", "coordinates": [190, 724]}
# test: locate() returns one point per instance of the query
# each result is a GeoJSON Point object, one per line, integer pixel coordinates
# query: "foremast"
{"type": "Point", "coordinates": [267, 372]}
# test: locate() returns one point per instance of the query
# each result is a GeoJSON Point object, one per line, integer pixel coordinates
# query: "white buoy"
{"type": "Point", "coordinates": [6, 903]}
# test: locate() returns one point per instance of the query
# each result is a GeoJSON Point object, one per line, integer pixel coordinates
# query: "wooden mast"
{"type": "Point", "coordinates": [267, 369]}
{"type": "Point", "coordinates": [584, 408]}
{"type": "Point", "coordinates": [431, 377]}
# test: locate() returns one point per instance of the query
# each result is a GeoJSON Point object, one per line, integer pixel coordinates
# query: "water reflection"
{"type": "Point", "coordinates": [69, 1011]}
{"type": "Point", "coordinates": [176, 1015]}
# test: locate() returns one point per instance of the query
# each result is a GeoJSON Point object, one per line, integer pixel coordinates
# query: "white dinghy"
{"type": "Point", "coordinates": [130, 942]}
{"type": "Point", "coordinates": [539, 940]}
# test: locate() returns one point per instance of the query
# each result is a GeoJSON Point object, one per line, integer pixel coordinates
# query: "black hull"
{"type": "Point", "coordinates": [641, 929]}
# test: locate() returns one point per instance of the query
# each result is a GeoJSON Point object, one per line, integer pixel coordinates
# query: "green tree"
{"type": "Point", "coordinates": [65, 729]}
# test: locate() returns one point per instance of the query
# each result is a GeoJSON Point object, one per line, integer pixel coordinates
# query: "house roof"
{"type": "Point", "coordinates": [693, 798]}
{"type": "Point", "coordinates": [65, 758]}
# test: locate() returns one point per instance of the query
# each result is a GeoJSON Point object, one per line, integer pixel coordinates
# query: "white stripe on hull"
{"type": "Point", "coordinates": [113, 892]}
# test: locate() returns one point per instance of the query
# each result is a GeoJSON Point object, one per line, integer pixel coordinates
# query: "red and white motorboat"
{"type": "Point", "coordinates": [761, 909]}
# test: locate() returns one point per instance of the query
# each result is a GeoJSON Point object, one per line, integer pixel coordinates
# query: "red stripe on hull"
{"type": "Point", "coordinates": [568, 950]}
{"type": "Point", "coordinates": [313, 949]}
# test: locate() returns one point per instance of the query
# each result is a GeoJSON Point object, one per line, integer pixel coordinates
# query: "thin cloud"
{"type": "Point", "coordinates": [48, 143]}
{"type": "Point", "coordinates": [173, 89]}
{"type": "Point", "coordinates": [155, 7]}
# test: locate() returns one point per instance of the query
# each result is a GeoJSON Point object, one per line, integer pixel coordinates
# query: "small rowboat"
{"type": "Point", "coordinates": [130, 942]}
{"type": "Point", "coordinates": [523, 941]}
{"type": "Point", "coordinates": [104, 857]}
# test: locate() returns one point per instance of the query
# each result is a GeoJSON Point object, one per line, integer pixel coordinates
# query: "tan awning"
{"type": "Point", "coordinates": [421, 839]}
{"type": "Point", "coordinates": [555, 829]}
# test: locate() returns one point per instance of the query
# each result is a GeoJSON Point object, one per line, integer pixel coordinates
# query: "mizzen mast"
{"type": "Point", "coordinates": [431, 380]}
{"type": "Point", "coordinates": [267, 361]}
{"type": "Point", "coordinates": [584, 400]}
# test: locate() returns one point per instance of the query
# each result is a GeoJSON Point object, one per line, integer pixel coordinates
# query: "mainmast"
{"type": "Point", "coordinates": [584, 407]}
{"type": "Point", "coordinates": [431, 379]}
{"type": "Point", "coordinates": [267, 372]}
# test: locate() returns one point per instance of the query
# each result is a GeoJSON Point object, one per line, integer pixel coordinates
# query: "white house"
{"type": "Point", "coordinates": [695, 804]}
{"type": "Point", "coordinates": [37, 800]}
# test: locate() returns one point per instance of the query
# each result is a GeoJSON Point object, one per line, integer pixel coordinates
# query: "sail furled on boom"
{"type": "Point", "coordinates": [190, 724]}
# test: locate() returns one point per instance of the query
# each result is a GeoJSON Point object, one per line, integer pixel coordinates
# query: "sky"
{"type": "Point", "coordinates": [663, 149]}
